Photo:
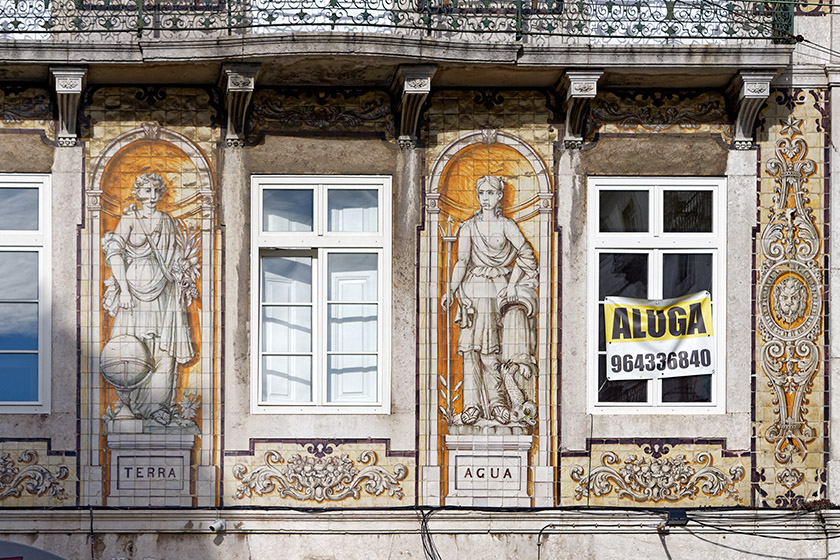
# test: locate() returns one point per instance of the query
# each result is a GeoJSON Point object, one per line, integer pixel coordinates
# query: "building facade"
{"type": "Point", "coordinates": [340, 279]}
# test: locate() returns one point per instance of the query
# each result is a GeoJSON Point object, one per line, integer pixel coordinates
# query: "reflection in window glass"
{"type": "Point", "coordinates": [19, 377]}
{"type": "Point", "coordinates": [287, 379]}
{"type": "Point", "coordinates": [623, 211]}
{"type": "Point", "coordinates": [623, 274]}
{"type": "Point", "coordinates": [686, 273]}
{"type": "Point", "coordinates": [691, 389]}
{"type": "Point", "coordinates": [287, 329]}
{"type": "Point", "coordinates": [352, 210]}
{"type": "Point", "coordinates": [687, 211]}
{"type": "Point", "coordinates": [287, 210]}
{"type": "Point", "coordinates": [287, 279]}
{"type": "Point", "coordinates": [352, 328]}
{"type": "Point", "coordinates": [19, 271]}
{"type": "Point", "coordinates": [352, 277]}
{"type": "Point", "coordinates": [618, 391]}
{"type": "Point", "coordinates": [351, 378]}
{"type": "Point", "coordinates": [18, 209]}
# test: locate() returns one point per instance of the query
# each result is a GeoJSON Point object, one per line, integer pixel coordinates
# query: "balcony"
{"type": "Point", "coordinates": [533, 22]}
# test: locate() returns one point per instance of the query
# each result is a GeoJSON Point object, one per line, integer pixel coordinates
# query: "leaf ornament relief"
{"type": "Point", "coordinates": [325, 478]}
{"type": "Point", "coordinates": [669, 479]}
{"type": "Point", "coordinates": [790, 302]}
{"type": "Point", "coordinates": [26, 474]}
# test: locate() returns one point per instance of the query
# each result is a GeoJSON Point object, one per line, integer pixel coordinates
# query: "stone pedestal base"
{"type": "Point", "coordinates": [488, 471]}
{"type": "Point", "coordinates": [151, 470]}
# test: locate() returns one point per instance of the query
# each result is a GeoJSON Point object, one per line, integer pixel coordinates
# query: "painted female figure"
{"type": "Point", "coordinates": [495, 282]}
{"type": "Point", "coordinates": [148, 294]}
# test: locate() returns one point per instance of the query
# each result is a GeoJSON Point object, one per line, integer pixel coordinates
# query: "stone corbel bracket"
{"type": "Point", "coordinates": [575, 92]}
{"type": "Point", "coordinates": [68, 83]}
{"type": "Point", "coordinates": [746, 93]}
{"type": "Point", "coordinates": [238, 81]}
{"type": "Point", "coordinates": [411, 86]}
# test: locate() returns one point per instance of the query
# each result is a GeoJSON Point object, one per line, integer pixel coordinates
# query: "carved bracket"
{"type": "Point", "coordinates": [576, 91]}
{"type": "Point", "coordinates": [238, 83]}
{"type": "Point", "coordinates": [68, 83]}
{"type": "Point", "coordinates": [411, 86]}
{"type": "Point", "coordinates": [747, 92]}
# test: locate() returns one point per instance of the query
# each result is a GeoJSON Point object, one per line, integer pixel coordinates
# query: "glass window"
{"type": "Point", "coordinates": [322, 300]}
{"type": "Point", "coordinates": [671, 245]}
{"type": "Point", "coordinates": [24, 294]}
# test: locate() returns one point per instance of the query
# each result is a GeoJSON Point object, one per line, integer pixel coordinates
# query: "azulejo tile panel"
{"type": "Point", "coordinates": [647, 111]}
{"type": "Point", "coordinates": [150, 316]}
{"type": "Point", "coordinates": [31, 475]}
{"type": "Point", "coordinates": [790, 301]}
{"type": "Point", "coordinates": [487, 300]}
{"type": "Point", "coordinates": [648, 473]}
{"type": "Point", "coordinates": [279, 111]}
{"type": "Point", "coordinates": [26, 108]}
{"type": "Point", "coordinates": [319, 474]}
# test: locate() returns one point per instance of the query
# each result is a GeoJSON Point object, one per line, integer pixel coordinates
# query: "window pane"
{"type": "Point", "coordinates": [287, 279]}
{"type": "Point", "coordinates": [19, 271]}
{"type": "Point", "coordinates": [287, 210]}
{"type": "Point", "coordinates": [602, 339]}
{"type": "Point", "coordinates": [686, 273]}
{"type": "Point", "coordinates": [352, 209]}
{"type": "Point", "coordinates": [352, 276]}
{"type": "Point", "coordinates": [687, 211]}
{"type": "Point", "coordinates": [352, 328]}
{"type": "Point", "coordinates": [623, 274]}
{"type": "Point", "coordinates": [287, 379]}
{"type": "Point", "coordinates": [623, 211]}
{"type": "Point", "coordinates": [19, 209]}
{"type": "Point", "coordinates": [618, 391]}
{"type": "Point", "coordinates": [695, 388]}
{"type": "Point", "coordinates": [351, 379]}
{"type": "Point", "coordinates": [18, 326]}
{"type": "Point", "coordinates": [287, 329]}
{"type": "Point", "coordinates": [19, 377]}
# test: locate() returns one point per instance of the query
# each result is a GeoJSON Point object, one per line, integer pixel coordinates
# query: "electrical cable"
{"type": "Point", "coordinates": [776, 537]}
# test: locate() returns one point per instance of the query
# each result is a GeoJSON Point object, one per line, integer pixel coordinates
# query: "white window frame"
{"type": "Point", "coordinates": [34, 241]}
{"type": "Point", "coordinates": [656, 243]}
{"type": "Point", "coordinates": [319, 243]}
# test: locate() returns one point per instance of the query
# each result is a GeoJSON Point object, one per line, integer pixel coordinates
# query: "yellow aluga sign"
{"type": "Point", "coordinates": [649, 339]}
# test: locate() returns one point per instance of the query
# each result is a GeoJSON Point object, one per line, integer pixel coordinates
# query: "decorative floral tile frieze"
{"type": "Point", "coordinates": [26, 108]}
{"type": "Point", "coordinates": [329, 474]}
{"type": "Point", "coordinates": [668, 479]}
{"type": "Point", "coordinates": [30, 476]}
{"type": "Point", "coordinates": [656, 111]}
{"type": "Point", "coordinates": [653, 474]}
{"type": "Point", "coordinates": [335, 111]}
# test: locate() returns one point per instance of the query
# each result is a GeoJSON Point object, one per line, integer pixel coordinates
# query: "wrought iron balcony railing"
{"type": "Point", "coordinates": [544, 21]}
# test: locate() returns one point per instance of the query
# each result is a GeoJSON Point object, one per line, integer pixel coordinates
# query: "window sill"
{"type": "Point", "coordinates": [314, 409]}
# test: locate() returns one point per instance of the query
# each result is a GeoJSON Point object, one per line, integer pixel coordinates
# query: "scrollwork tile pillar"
{"type": "Point", "coordinates": [68, 83]}
{"type": "Point", "coordinates": [238, 83]}
{"type": "Point", "coordinates": [747, 92]}
{"type": "Point", "coordinates": [411, 86]}
{"type": "Point", "coordinates": [576, 91]}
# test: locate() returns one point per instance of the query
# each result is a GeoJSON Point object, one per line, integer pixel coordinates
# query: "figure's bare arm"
{"type": "Point", "coordinates": [459, 269]}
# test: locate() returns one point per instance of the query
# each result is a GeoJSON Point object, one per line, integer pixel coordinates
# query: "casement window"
{"type": "Point", "coordinates": [655, 238]}
{"type": "Point", "coordinates": [24, 294]}
{"type": "Point", "coordinates": [320, 294]}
